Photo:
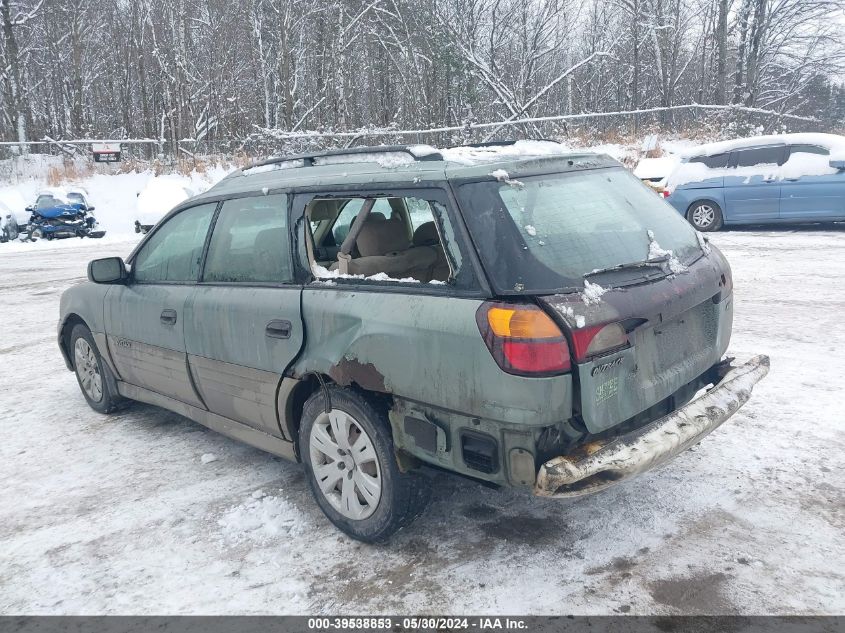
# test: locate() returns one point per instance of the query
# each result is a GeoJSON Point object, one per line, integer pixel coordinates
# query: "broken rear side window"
{"type": "Point", "coordinates": [383, 238]}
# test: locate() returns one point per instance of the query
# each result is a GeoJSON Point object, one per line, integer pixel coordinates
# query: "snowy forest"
{"type": "Point", "coordinates": [217, 69]}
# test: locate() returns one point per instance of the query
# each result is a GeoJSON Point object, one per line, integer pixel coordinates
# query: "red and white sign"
{"type": "Point", "coordinates": [106, 152]}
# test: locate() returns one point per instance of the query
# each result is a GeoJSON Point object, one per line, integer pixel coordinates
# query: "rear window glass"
{"type": "Point", "coordinates": [545, 233]}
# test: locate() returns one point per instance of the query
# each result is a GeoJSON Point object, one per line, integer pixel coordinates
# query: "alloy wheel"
{"type": "Point", "coordinates": [703, 216]}
{"type": "Point", "coordinates": [88, 370]}
{"type": "Point", "coordinates": [345, 465]}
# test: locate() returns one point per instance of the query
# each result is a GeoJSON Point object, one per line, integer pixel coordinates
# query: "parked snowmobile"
{"type": "Point", "coordinates": [58, 214]}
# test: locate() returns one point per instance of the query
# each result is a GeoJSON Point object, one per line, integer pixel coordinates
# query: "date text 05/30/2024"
{"type": "Point", "coordinates": [417, 624]}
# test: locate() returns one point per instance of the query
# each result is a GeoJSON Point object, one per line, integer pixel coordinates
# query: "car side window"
{"type": "Point", "coordinates": [250, 242]}
{"type": "Point", "coordinates": [350, 211]}
{"type": "Point", "coordinates": [809, 149]}
{"type": "Point", "coordinates": [716, 161]}
{"type": "Point", "coordinates": [406, 239]}
{"type": "Point", "coordinates": [174, 251]}
{"type": "Point", "coordinates": [758, 156]}
{"type": "Point", "coordinates": [46, 202]}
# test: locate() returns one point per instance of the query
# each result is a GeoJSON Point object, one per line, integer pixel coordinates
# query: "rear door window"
{"type": "Point", "coordinates": [250, 243]}
{"type": "Point", "coordinates": [350, 211]}
{"type": "Point", "coordinates": [809, 149]}
{"type": "Point", "coordinates": [774, 155]}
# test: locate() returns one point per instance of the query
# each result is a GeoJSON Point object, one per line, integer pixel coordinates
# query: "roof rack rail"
{"type": "Point", "coordinates": [308, 159]}
{"type": "Point", "coordinates": [503, 143]}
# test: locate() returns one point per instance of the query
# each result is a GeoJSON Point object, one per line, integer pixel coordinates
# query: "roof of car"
{"type": "Point", "coordinates": [61, 192]}
{"type": "Point", "coordinates": [830, 141]}
{"type": "Point", "coordinates": [400, 164]}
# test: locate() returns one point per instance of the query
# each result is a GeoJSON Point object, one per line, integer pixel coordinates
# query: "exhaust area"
{"type": "Point", "coordinates": [600, 465]}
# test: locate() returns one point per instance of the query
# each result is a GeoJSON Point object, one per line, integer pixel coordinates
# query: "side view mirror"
{"type": "Point", "coordinates": [30, 208]}
{"type": "Point", "coordinates": [108, 270]}
{"type": "Point", "coordinates": [90, 209]}
{"type": "Point", "coordinates": [838, 164]}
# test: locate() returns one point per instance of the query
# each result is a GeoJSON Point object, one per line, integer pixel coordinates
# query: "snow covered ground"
{"type": "Point", "coordinates": [147, 512]}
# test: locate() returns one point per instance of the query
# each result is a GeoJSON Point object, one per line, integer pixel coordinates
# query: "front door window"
{"type": "Point", "coordinates": [174, 252]}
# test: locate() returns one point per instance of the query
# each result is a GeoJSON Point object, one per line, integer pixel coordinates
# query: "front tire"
{"type": "Point", "coordinates": [351, 467]}
{"type": "Point", "coordinates": [91, 372]}
{"type": "Point", "coordinates": [705, 216]}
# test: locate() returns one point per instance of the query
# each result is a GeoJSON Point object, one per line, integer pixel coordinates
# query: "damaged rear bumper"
{"type": "Point", "coordinates": [599, 465]}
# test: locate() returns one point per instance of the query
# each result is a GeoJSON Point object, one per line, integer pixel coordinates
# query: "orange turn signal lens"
{"type": "Point", "coordinates": [525, 322]}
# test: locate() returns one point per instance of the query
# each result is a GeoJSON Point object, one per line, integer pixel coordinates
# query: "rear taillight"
{"type": "Point", "coordinates": [666, 193]}
{"type": "Point", "coordinates": [523, 339]}
{"type": "Point", "coordinates": [599, 339]}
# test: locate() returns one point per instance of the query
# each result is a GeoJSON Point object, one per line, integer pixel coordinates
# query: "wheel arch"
{"type": "Point", "coordinates": [70, 321]}
{"type": "Point", "coordinates": [708, 199]}
{"type": "Point", "coordinates": [295, 391]}
{"type": "Point", "coordinates": [713, 201]}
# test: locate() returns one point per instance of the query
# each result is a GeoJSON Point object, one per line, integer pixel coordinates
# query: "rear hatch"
{"type": "Point", "coordinates": [644, 301]}
{"type": "Point", "coordinates": [659, 336]}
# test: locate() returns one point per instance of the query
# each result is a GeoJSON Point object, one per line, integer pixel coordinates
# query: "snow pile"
{"type": "Point", "coordinates": [656, 168]}
{"type": "Point", "coordinates": [502, 176]}
{"type": "Point", "coordinates": [702, 242]}
{"type": "Point", "coordinates": [159, 196]}
{"type": "Point", "coordinates": [388, 160]}
{"type": "Point", "coordinates": [569, 314]}
{"type": "Point", "coordinates": [13, 202]}
{"type": "Point", "coordinates": [261, 169]}
{"type": "Point", "coordinates": [592, 292]}
{"type": "Point", "coordinates": [259, 519]}
{"type": "Point", "coordinates": [656, 252]}
{"type": "Point", "coordinates": [326, 277]}
{"type": "Point", "coordinates": [497, 153]}
{"type": "Point", "coordinates": [421, 151]}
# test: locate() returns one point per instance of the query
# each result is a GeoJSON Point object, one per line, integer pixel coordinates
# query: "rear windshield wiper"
{"type": "Point", "coordinates": [654, 262]}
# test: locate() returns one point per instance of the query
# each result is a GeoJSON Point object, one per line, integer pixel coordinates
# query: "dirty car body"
{"type": "Point", "coordinates": [503, 325]}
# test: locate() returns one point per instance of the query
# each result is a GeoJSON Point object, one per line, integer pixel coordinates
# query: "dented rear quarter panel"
{"type": "Point", "coordinates": [424, 348]}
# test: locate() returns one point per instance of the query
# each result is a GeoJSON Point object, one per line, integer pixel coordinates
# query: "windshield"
{"type": "Point", "coordinates": [545, 233]}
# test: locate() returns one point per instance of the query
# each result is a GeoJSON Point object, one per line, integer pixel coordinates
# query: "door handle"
{"type": "Point", "coordinates": [278, 328]}
{"type": "Point", "coordinates": [769, 179]}
{"type": "Point", "coordinates": [168, 317]}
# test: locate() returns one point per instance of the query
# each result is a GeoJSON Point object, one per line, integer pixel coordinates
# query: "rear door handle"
{"type": "Point", "coordinates": [278, 328]}
{"type": "Point", "coordinates": [168, 317]}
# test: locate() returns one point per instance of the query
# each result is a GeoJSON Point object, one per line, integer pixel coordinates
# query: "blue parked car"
{"type": "Point", "coordinates": [59, 213]}
{"type": "Point", "coordinates": [788, 178]}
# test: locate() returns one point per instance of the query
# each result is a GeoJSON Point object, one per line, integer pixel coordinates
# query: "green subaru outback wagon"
{"type": "Point", "coordinates": [511, 313]}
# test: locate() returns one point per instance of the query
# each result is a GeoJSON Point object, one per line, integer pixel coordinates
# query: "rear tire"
{"type": "Point", "coordinates": [92, 374]}
{"type": "Point", "coordinates": [705, 216]}
{"type": "Point", "coordinates": [351, 467]}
